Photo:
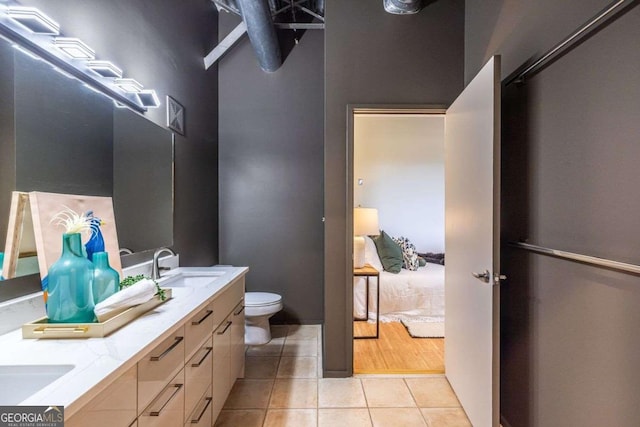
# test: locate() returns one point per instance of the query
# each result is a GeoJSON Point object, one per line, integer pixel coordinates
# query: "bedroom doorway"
{"type": "Point", "coordinates": [398, 174]}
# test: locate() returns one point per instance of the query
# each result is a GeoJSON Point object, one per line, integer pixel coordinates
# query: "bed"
{"type": "Point", "coordinates": [415, 294]}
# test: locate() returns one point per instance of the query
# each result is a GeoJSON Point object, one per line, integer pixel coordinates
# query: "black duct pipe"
{"type": "Point", "coordinates": [402, 7]}
{"type": "Point", "coordinates": [262, 34]}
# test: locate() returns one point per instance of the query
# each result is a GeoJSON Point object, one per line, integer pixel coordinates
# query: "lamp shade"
{"type": "Point", "coordinates": [365, 222]}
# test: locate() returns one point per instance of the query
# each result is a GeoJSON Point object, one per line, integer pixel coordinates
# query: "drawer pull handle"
{"type": "Point", "coordinates": [209, 313]}
{"type": "Point", "coordinates": [177, 389]}
{"type": "Point", "coordinates": [229, 323]}
{"type": "Point", "coordinates": [197, 420]}
{"type": "Point", "coordinates": [167, 351]}
{"type": "Point", "coordinates": [239, 311]}
{"type": "Point", "coordinates": [196, 365]}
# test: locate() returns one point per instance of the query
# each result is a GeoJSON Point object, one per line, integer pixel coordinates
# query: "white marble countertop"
{"type": "Point", "coordinates": [99, 361]}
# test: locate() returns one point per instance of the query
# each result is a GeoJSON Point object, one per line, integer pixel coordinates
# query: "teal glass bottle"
{"type": "Point", "coordinates": [1, 264]}
{"type": "Point", "coordinates": [70, 288]}
{"type": "Point", "coordinates": [106, 281]}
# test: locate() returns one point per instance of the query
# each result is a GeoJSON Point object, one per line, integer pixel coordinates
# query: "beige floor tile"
{"type": "Point", "coordinates": [272, 348]}
{"type": "Point", "coordinates": [432, 393]}
{"type": "Point", "coordinates": [340, 393]}
{"type": "Point", "coordinates": [300, 348]}
{"type": "Point", "coordinates": [387, 392]}
{"type": "Point", "coordinates": [352, 417]}
{"type": "Point", "coordinates": [397, 417]}
{"type": "Point", "coordinates": [303, 332]}
{"type": "Point", "coordinates": [291, 418]}
{"type": "Point", "coordinates": [445, 417]}
{"type": "Point", "coordinates": [261, 367]}
{"type": "Point", "coordinates": [241, 417]}
{"type": "Point", "coordinates": [249, 394]}
{"type": "Point", "coordinates": [298, 367]}
{"type": "Point", "coordinates": [298, 393]}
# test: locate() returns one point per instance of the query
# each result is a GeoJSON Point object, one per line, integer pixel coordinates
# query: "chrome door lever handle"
{"type": "Point", "coordinates": [485, 276]}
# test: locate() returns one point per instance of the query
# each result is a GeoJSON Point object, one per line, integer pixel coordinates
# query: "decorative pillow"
{"type": "Point", "coordinates": [389, 252]}
{"type": "Point", "coordinates": [421, 261]}
{"type": "Point", "coordinates": [409, 255]}
{"type": "Point", "coordinates": [371, 254]}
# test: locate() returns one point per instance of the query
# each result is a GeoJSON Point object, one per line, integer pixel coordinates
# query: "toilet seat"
{"type": "Point", "coordinates": [261, 299]}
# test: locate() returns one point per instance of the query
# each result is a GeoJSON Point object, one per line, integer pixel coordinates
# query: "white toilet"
{"type": "Point", "coordinates": [259, 307]}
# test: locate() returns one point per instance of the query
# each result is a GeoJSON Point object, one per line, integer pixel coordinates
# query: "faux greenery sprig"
{"type": "Point", "coordinates": [131, 280]}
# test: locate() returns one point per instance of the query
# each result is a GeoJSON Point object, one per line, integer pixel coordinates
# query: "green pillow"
{"type": "Point", "coordinates": [389, 252]}
{"type": "Point", "coordinates": [421, 261]}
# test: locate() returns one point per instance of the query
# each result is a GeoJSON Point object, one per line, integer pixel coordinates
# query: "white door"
{"type": "Point", "coordinates": [472, 202]}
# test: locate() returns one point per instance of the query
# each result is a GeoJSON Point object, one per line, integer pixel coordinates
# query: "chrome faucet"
{"type": "Point", "coordinates": [155, 268]}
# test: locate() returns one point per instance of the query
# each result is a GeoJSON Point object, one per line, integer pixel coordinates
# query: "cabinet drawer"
{"type": "Point", "coordinates": [115, 406]}
{"type": "Point", "coordinates": [159, 367]}
{"type": "Point", "coordinates": [197, 329]}
{"type": "Point", "coordinates": [197, 373]}
{"type": "Point", "coordinates": [167, 409]}
{"type": "Point", "coordinates": [201, 415]}
{"type": "Point", "coordinates": [224, 303]}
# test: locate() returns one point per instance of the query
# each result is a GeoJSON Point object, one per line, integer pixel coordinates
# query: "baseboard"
{"type": "Point", "coordinates": [503, 421]}
{"type": "Point", "coordinates": [335, 374]}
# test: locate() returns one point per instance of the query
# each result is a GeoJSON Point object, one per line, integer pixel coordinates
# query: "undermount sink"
{"type": "Point", "coordinates": [190, 277]}
{"type": "Point", "coordinates": [21, 381]}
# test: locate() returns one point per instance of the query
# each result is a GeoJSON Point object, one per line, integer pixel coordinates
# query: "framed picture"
{"type": "Point", "coordinates": [175, 116]}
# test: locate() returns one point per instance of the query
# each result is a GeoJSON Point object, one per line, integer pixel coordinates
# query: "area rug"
{"type": "Point", "coordinates": [424, 329]}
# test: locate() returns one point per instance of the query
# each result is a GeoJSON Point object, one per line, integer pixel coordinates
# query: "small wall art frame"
{"type": "Point", "coordinates": [175, 116]}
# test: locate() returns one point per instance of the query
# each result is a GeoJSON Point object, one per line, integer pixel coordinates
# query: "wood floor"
{"type": "Point", "coordinates": [395, 352]}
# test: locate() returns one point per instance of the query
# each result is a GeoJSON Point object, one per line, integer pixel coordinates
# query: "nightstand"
{"type": "Point", "coordinates": [368, 271]}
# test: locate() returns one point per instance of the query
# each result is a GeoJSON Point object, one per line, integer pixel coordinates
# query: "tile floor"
{"type": "Point", "coordinates": [283, 386]}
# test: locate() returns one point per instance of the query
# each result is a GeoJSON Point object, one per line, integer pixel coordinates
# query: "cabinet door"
{"type": "Point", "coordinates": [237, 342]}
{"type": "Point", "coordinates": [167, 409]}
{"type": "Point", "coordinates": [197, 372]}
{"type": "Point", "coordinates": [115, 406]}
{"type": "Point", "coordinates": [220, 376]}
{"type": "Point", "coordinates": [159, 367]}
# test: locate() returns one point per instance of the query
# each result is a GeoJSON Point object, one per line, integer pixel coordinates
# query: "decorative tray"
{"type": "Point", "coordinates": [41, 328]}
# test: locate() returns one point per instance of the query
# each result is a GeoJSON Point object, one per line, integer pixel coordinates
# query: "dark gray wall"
{"type": "Point", "coordinates": [570, 153]}
{"type": "Point", "coordinates": [271, 161]}
{"type": "Point", "coordinates": [375, 57]}
{"type": "Point", "coordinates": [7, 138]}
{"type": "Point", "coordinates": [161, 43]}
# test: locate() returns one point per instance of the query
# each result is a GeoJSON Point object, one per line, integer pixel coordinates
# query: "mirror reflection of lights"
{"type": "Point", "coordinates": [105, 69]}
{"type": "Point", "coordinates": [129, 85]}
{"type": "Point", "coordinates": [74, 48]}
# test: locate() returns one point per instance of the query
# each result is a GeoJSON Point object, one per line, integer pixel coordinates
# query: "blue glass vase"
{"type": "Point", "coordinates": [106, 281]}
{"type": "Point", "coordinates": [70, 288]}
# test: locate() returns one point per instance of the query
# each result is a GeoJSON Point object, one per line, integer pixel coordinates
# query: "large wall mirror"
{"type": "Point", "coordinates": [58, 135]}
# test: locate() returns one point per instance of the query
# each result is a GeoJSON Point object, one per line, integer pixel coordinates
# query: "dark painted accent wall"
{"type": "Point", "coordinates": [7, 138]}
{"type": "Point", "coordinates": [375, 57]}
{"type": "Point", "coordinates": [162, 43]}
{"type": "Point", "coordinates": [271, 161]}
{"type": "Point", "coordinates": [569, 342]}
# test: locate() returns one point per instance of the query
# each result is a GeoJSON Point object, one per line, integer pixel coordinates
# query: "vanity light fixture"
{"type": "Point", "coordinates": [105, 69]}
{"type": "Point", "coordinates": [129, 85]}
{"type": "Point", "coordinates": [74, 48]}
{"type": "Point", "coordinates": [148, 98]}
{"type": "Point", "coordinates": [33, 20]}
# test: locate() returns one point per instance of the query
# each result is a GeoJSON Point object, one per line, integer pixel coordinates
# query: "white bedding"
{"type": "Point", "coordinates": [415, 293]}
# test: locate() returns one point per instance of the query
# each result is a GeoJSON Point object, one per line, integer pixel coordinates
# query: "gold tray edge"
{"type": "Point", "coordinates": [91, 330]}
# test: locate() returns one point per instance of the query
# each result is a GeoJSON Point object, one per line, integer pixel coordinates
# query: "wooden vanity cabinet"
{"type": "Point", "coordinates": [185, 380]}
{"type": "Point", "coordinates": [115, 406]}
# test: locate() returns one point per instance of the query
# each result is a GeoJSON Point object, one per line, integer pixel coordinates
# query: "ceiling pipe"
{"type": "Point", "coordinates": [402, 7]}
{"type": "Point", "coordinates": [262, 34]}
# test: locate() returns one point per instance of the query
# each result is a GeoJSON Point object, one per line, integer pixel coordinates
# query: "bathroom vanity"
{"type": "Point", "coordinates": [173, 366]}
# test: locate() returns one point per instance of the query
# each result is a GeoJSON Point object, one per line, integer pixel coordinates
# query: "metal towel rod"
{"type": "Point", "coordinates": [574, 38]}
{"type": "Point", "coordinates": [587, 259]}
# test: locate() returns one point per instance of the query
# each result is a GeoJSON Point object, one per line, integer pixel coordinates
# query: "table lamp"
{"type": "Point", "coordinates": [365, 223]}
